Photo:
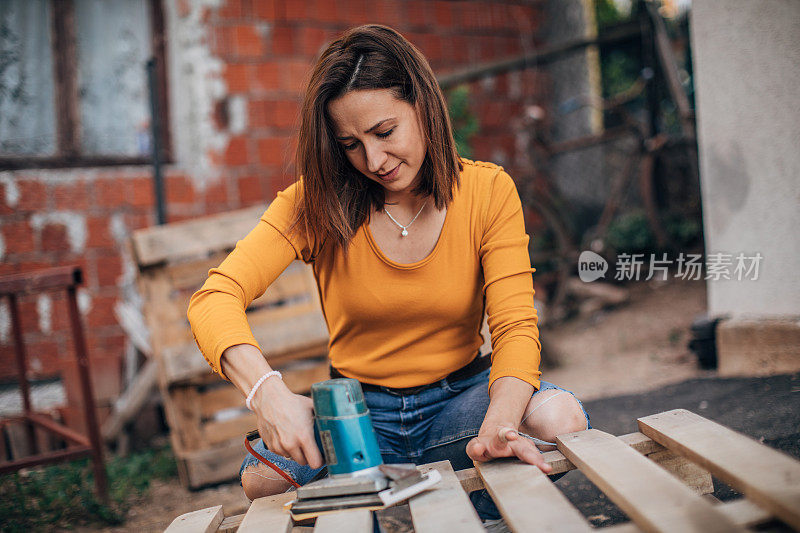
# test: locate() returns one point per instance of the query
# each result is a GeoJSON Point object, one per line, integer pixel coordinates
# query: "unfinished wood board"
{"type": "Point", "coordinates": [741, 512]}
{"type": "Point", "coordinates": [127, 406]}
{"type": "Point", "coordinates": [692, 475]}
{"type": "Point", "coordinates": [527, 499]}
{"type": "Point", "coordinates": [212, 465]}
{"type": "Point", "coordinates": [444, 507]}
{"type": "Point", "coordinates": [268, 514]}
{"type": "Point", "coordinates": [650, 496]}
{"type": "Point", "coordinates": [354, 520]}
{"type": "Point", "coordinates": [195, 237]}
{"type": "Point", "coordinates": [202, 521]}
{"type": "Point", "coordinates": [766, 476]}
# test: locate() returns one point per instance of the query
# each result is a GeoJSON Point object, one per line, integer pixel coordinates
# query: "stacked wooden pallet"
{"type": "Point", "coordinates": [206, 415]}
{"type": "Point", "coordinates": [658, 477]}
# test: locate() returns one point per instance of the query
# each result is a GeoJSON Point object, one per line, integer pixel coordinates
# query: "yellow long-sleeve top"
{"type": "Point", "coordinates": [392, 324]}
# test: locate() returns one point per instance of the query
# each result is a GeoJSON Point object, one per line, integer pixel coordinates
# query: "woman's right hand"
{"type": "Point", "coordinates": [286, 422]}
{"type": "Point", "coordinates": [285, 419]}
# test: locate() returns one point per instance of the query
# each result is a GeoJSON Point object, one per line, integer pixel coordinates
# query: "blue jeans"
{"type": "Point", "coordinates": [434, 424]}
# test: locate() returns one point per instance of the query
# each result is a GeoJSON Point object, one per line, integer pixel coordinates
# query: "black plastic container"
{"type": "Point", "coordinates": [704, 341]}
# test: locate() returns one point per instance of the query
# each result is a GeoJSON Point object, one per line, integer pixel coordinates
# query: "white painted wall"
{"type": "Point", "coordinates": [747, 67]}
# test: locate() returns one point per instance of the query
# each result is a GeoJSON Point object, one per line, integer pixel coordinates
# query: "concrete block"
{"type": "Point", "coordinates": [758, 347]}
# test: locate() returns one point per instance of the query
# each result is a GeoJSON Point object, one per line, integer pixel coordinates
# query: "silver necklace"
{"type": "Point", "coordinates": [405, 228]}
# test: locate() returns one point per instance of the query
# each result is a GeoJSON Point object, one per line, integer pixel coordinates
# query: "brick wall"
{"type": "Point", "coordinates": [236, 73]}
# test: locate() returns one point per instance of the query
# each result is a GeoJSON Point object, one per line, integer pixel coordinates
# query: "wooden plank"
{"type": "Point", "coordinates": [692, 475]}
{"type": "Point", "coordinates": [354, 520]}
{"type": "Point", "coordinates": [231, 523]}
{"type": "Point", "coordinates": [218, 398]}
{"type": "Point", "coordinates": [742, 512]}
{"type": "Point", "coordinates": [649, 495]}
{"type": "Point", "coordinates": [211, 465]}
{"type": "Point", "coordinates": [193, 238]}
{"type": "Point", "coordinates": [127, 406]}
{"type": "Point", "coordinates": [134, 326]}
{"type": "Point", "coordinates": [202, 521]}
{"type": "Point", "coordinates": [469, 479]}
{"type": "Point", "coordinates": [766, 476]}
{"type": "Point", "coordinates": [527, 499]}
{"type": "Point", "coordinates": [226, 430]}
{"type": "Point", "coordinates": [268, 514]}
{"type": "Point", "coordinates": [445, 507]}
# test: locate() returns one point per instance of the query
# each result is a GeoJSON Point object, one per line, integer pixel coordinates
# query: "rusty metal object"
{"type": "Point", "coordinates": [60, 278]}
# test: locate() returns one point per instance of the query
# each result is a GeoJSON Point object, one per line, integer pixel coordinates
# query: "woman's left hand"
{"type": "Point", "coordinates": [500, 440]}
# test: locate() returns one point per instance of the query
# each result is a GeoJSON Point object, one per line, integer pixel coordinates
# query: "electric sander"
{"type": "Point", "coordinates": [358, 478]}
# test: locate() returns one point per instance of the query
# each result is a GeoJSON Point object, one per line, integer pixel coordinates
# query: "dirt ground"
{"type": "Point", "coordinates": [633, 348]}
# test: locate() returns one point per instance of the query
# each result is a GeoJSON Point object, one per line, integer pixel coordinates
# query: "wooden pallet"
{"type": "Point", "coordinates": [206, 414]}
{"type": "Point", "coordinates": [658, 477]}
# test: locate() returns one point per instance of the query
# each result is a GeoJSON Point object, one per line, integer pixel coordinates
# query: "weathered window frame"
{"type": "Point", "coordinates": [66, 95]}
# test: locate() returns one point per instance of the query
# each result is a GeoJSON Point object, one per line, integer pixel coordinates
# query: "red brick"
{"type": "Point", "coordinates": [54, 238]}
{"type": "Point", "coordinates": [222, 41]}
{"type": "Point", "coordinates": [280, 113]}
{"type": "Point", "coordinates": [110, 193]}
{"type": "Point", "coordinates": [247, 42]}
{"type": "Point", "coordinates": [418, 13]}
{"type": "Point", "coordinates": [99, 233]}
{"type": "Point", "coordinates": [294, 11]}
{"type": "Point", "coordinates": [264, 76]}
{"type": "Point", "coordinates": [32, 195]}
{"type": "Point", "coordinates": [235, 75]}
{"type": "Point", "coordinates": [18, 237]}
{"type": "Point", "coordinates": [443, 13]}
{"type": "Point", "coordinates": [71, 196]}
{"type": "Point", "coordinates": [314, 40]}
{"type": "Point", "coordinates": [230, 9]}
{"type": "Point", "coordinates": [282, 40]}
{"type": "Point", "coordinates": [179, 190]}
{"type": "Point", "coordinates": [250, 190]}
{"type": "Point", "coordinates": [109, 269]}
{"type": "Point", "coordinates": [264, 9]}
{"type": "Point", "coordinates": [42, 358]}
{"type": "Point", "coordinates": [236, 152]}
{"type": "Point", "coordinates": [353, 12]}
{"type": "Point", "coordinates": [323, 10]}
{"type": "Point", "coordinates": [101, 312]}
{"type": "Point", "coordinates": [139, 220]}
{"type": "Point", "coordinates": [260, 113]}
{"type": "Point", "coordinates": [216, 197]}
{"type": "Point", "coordinates": [141, 192]}
{"type": "Point", "coordinates": [286, 113]}
{"type": "Point", "coordinates": [293, 76]}
{"type": "Point", "coordinates": [110, 343]}
{"type": "Point", "coordinates": [387, 12]}
{"type": "Point", "coordinates": [105, 375]}
{"type": "Point", "coordinates": [4, 208]}
{"type": "Point", "coordinates": [272, 151]}
{"type": "Point", "coordinates": [459, 46]}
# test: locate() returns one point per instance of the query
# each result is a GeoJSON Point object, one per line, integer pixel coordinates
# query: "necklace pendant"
{"type": "Point", "coordinates": [403, 233]}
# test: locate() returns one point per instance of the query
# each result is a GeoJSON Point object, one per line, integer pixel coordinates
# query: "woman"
{"type": "Point", "coordinates": [409, 246]}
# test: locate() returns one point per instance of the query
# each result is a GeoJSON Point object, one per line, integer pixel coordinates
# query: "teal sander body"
{"type": "Point", "coordinates": [358, 477]}
{"type": "Point", "coordinates": [345, 428]}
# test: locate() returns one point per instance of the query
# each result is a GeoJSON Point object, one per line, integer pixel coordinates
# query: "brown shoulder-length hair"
{"type": "Point", "coordinates": [336, 198]}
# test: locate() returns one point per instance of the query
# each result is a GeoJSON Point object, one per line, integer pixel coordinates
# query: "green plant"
{"type": "Point", "coordinates": [464, 122]}
{"type": "Point", "coordinates": [62, 496]}
{"type": "Point", "coordinates": [631, 233]}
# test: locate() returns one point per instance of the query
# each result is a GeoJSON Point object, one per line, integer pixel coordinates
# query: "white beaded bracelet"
{"type": "Point", "coordinates": [261, 380]}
